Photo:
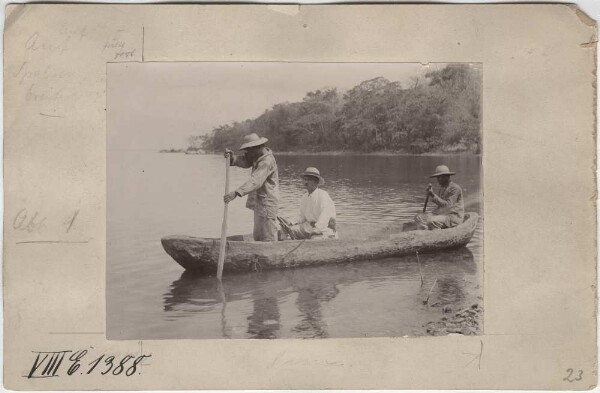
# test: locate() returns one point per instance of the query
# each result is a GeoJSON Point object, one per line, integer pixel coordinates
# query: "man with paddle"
{"type": "Point", "coordinates": [450, 208]}
{"type": "Point", "coordinates": [262, 188]}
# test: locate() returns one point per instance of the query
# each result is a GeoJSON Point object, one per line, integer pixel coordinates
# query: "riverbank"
{"type": "Point", "coordinates": [351, 153]}
{"type": "Point", "coordinates": [376, 153]}
{"type": "Point", "coordinates": [467, 321]}
{"type": "Point", "coordinates": [460, 317]}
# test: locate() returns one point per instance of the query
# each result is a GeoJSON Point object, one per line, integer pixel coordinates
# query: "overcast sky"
{"type": "Point", "coordinates": [159, 105]}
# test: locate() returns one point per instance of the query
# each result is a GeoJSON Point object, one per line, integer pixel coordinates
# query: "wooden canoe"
{"type": "Point", "coordinates": [356, 242]}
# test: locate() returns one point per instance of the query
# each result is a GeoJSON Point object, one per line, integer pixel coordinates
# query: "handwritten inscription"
{"type": "Point", "coordinates": [114, 43]}
{"type": "Point", "coordinates": [36, 94]}
{"type": "Point", "coordinates": [51, 362]}
{"type": "Point", "coordinates": [42, 81]}
{"type": "Point", "coordinates": [35, 43]}
{"type": "Point", "coordinates": [79, 32]}
{"type": "Point", "coordinates": [26, 74]}
{"type": "Point", "coordinates": [124, 54]}
{"type": "Point", "coordinates": [69, 222]}
{"type": "Point", "coordinates": [280, 360]}
{"type": "Point", "coordinates": [573, 375]}
{"type": "Point", "coordinates": [54, 364]}
{"type": "Point", "coordinates": [45, 81]}
{"type": "Point", "coordinates": [28, 222]}
{"type": "Point", "coordinates": [310, 362]}
{"type": "Point", "coordinates": [116, 47]}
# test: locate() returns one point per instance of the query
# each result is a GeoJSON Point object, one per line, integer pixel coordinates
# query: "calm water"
{"type": "Point", "coordinates": [149, 296]}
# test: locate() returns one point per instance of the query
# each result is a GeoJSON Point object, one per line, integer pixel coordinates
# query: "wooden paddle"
{"type": "Point", "coordinates": [224, 226]}
{"type": "Point", "coordinates": [286, 228]}
{"type": "Point", "coordinates": [427, 198]}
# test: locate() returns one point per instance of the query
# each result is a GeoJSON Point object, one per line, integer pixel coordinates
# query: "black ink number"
{"type": "Point", "coordinates": [109, 362]}
{"type": "Point", "coordinates": [75, 358]}
{"type": "Point", "coordinates": [95, 363]}
{"type": "Point", "coordinates": [133, 368]}
{"type": "Point", "coordinates": [119, 369]}
{"type": "Point", "coordinates": [569, 378]}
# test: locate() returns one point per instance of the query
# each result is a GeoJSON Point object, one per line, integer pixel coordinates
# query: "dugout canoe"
{"type": "Point", "coordinates": [356, 242]}
{"type": "Point", "coordinates": [201, 290]}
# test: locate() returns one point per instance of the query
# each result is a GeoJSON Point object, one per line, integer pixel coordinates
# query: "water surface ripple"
{"type": "Point", "coordinates": [149, 296]}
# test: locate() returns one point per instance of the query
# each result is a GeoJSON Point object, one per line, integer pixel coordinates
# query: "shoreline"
{"type": "Point", "coordinates": [349, 153]}
{"type": "Point", "coordinates": [377, 153]}
{"type": "Point", "coordinates": [468, 321]}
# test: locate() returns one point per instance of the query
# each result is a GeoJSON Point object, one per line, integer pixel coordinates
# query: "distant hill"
{"type": "Point", "coordinates": [438, 113]}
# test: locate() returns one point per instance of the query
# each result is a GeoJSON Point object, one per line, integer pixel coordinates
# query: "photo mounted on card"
{"type": "Point", "coordinates": [254, 197]}
{"type": "Point", "coordinates": [349, 186]}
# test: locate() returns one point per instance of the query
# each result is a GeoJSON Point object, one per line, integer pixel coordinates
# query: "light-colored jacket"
{"type": "Point", "coordinates": [318, 208]}
{"type": "Point", "coordinates": [263, 186]}
{"type": "Point", "coordinates": [450, 201]}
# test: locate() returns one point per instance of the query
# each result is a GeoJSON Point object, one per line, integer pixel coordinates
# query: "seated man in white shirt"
{"type": "Point", "coordinates": [317, 211]}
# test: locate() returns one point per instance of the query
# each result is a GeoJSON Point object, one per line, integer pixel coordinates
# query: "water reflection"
{"type": "Point", "coordinates": [450, 291]}
{"type": "Point", "coordinates": [192, 290]}
{"type": "Point", "coordinates": [223, 311]}
{"type": "Point", "coordinates": [260, 297]}
{"type": "Point", "coordinates": [264, 320]}
{"type": "Point", "coordinates": [458, 261]}
{"type": "Point", "coordinates": [309, 304]}
{"type": "Point", "coordinates": [150, 298]}
{"type": "Point", "coordinates": [453, 271]}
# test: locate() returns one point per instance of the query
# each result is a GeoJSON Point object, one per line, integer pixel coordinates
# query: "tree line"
{"type": "Point", "coordinates": [439, 112]}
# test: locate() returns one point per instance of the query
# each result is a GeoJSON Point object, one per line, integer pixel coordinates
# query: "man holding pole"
{"type": "Point", "coordinates": [450, 208]}
{"type": "Point", "coordinates": [262, 188]}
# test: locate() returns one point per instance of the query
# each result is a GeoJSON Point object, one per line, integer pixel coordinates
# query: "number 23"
{"type": "Point", "coordinates": [568, 377]}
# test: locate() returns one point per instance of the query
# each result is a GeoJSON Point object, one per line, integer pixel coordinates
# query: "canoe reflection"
{"type": "Point", "coordinates": [264, 320]}
{"type": "Point", "coordinates": [289, 303]}
{"type": "Point", "coordinates": [309, 304]}
{"type": "Point", "coordinates": [451, 272]}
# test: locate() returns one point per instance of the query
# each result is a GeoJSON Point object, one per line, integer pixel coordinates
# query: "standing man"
{"type": "Point", "coordinates": [450, 208]}
{"type": "Point", "coordinates": [317, 211]}
{"type": "Point", "coordinates": [262, 188]}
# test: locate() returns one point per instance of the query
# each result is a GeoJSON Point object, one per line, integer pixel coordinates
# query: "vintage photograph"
{"type": "Point", "coordinates": [265, 200]}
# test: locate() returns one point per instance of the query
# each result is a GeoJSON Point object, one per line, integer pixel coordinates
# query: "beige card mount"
{"type": "Point", "coordinates": [538, 185]}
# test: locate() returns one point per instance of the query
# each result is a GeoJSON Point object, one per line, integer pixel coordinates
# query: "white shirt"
{"type": "Point", "coordinates": [316, 207]}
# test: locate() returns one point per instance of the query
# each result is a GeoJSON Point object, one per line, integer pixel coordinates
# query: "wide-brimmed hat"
{"type": "Point", "coordinates": [253, 140]}
{"type": "Point", "coordinates": [314, 172]}
{"type": "Point", "coordinates": [442, 170]}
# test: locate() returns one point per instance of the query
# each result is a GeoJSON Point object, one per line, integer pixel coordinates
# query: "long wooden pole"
{"type": "Point", "coordinates": [420, 273]}
{"type": "Point", "coordinates": [427, 198]}
{"type": "Point", "coordinates": [224, 226]}
{"type": "Point", "coordinates": [223, 309]}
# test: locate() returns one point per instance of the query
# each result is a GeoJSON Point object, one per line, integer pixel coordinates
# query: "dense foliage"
{"type": "Point", "coordinates": [441, 113]}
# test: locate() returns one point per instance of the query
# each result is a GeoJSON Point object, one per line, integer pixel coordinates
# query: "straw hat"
{"type": "Point", "coordinates": [253, 140]}
{"type": "Point", "coordinates": [314, 172]}
{"type": "Point", "coordinates": [442, 170]}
